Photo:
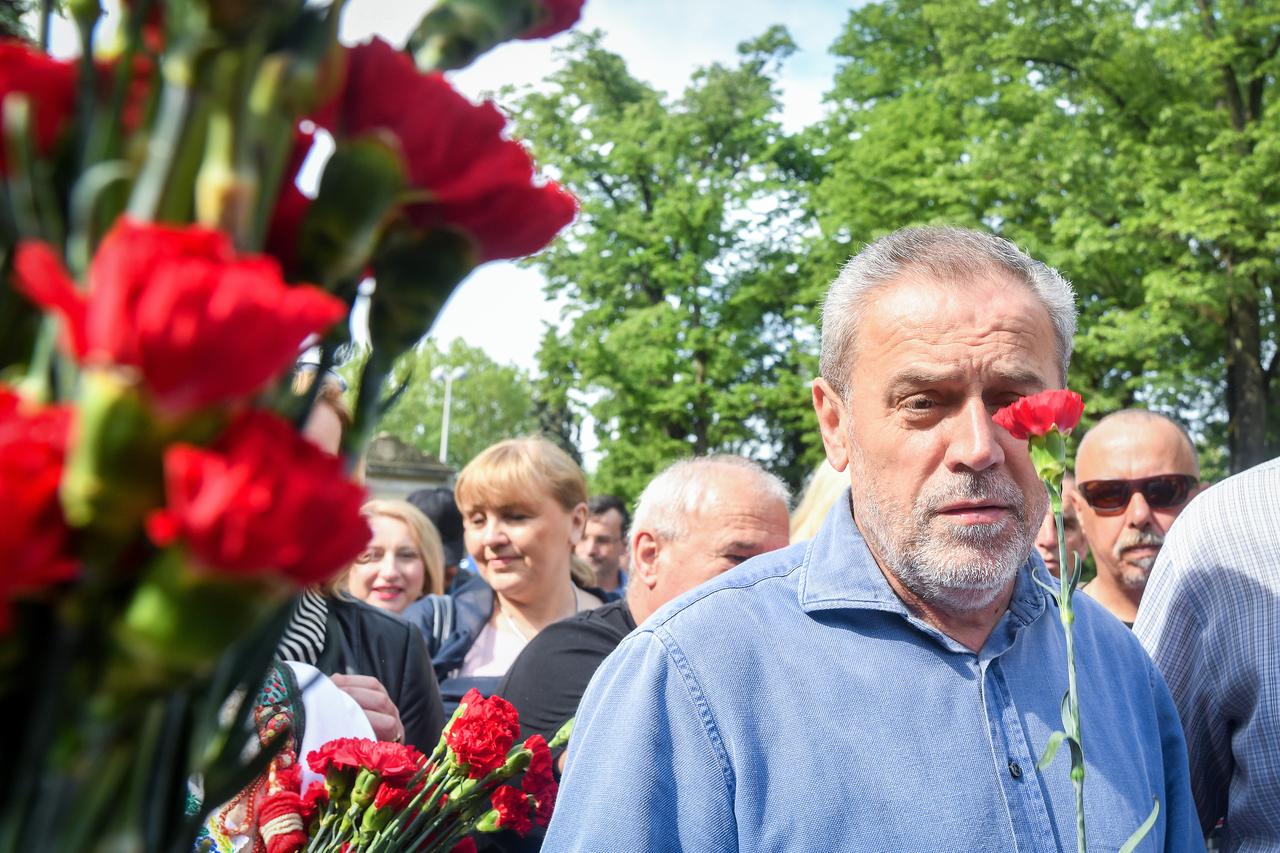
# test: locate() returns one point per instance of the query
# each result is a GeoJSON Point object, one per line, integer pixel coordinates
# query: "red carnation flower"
{"type": "Point", "coordinates": [466, 845]}
{"type": "Point", "coordinates": [512, 807]}
{"type": "Point", "coordinates": [482, 735]}
{"type": "Point", "coordinates": [34, 537]}
{"type": "Point", "coordinates": [314, 799]}
{"type": "Point", "coordinates": [50, 87]}
{"type": "Point", "coordinates": [200, 323]}
{"type": "Point", "coordinates": [391, 797]}
{"type": "Point", "coordinates": [1040, 413]}
{"type": "Point", "coordinates": [557, 16]}
{"type": "Point", "coordinates": [261, 498]}
{"type": "Point", "coordinates": [341, 752]}
{"type": "Point", "coordinates": [539, 782]}
{"type": "Point", "coordinates": [395, 763]}
{"type": "Point", "coordinates": [476, 181]}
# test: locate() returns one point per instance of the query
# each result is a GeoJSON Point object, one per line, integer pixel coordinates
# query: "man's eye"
{"type": "Point", "coordinates": [920, 404]}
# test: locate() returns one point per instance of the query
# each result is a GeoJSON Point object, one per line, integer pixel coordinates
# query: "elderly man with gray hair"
{"type": "Point", "coordinates": [696, 519]}
{"type": "Point", "coordinates": [891, 683]}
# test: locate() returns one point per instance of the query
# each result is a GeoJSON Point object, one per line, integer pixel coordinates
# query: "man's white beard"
{"type": "Point", "coordinates": [954, 567]}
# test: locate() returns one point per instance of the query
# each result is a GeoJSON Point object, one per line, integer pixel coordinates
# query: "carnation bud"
{"type": "Point", "coordinates": [180, 622]}
{"type": "Point", "coordinates": [366, 786]}
{"type": "Point", "coordinates": [488, 821]}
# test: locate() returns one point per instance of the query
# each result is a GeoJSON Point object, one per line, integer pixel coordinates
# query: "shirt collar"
{"type": "Point", "coordinates": [839, 572]}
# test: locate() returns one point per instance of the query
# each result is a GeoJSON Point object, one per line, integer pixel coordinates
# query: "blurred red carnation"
{"type": "Point", "coordinates": [261, 500]}
{"type": "Point", "coordinates": [48, 83]}
{"type": "Point", "coordinates": [476, 181]}
{"type": "Point", "coordinates": [202, 324]}
{"type": "Point", "coordinates": [33, 535]}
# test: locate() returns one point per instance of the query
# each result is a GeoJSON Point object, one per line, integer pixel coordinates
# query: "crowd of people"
{"type": "Point", "coordinates": [876, 670]}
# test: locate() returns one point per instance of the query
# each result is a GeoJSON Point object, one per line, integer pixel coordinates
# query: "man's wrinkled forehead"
{"type": "Point", "coordinates": [970, 315]}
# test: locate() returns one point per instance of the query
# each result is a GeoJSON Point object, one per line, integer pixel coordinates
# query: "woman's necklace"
{"type": "Point", "coordinates": [511, 623]}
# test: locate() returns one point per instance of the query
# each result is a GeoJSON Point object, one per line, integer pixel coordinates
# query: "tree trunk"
{"type": "Point", "coordinates": [1246, 382]}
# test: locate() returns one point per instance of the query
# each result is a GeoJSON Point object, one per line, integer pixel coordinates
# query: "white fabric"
{"type": "Point", "coordinates": [329, 715]}
{"type": "Point", "coordinates": [492, 653]}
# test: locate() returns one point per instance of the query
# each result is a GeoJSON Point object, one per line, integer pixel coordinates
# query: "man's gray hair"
{"type": "Point", "coordinates": [688, 486]}
{"type": "Point", "coordinates": [942, 254]}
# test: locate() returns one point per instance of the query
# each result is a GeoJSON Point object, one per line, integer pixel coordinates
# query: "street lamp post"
{"type": "Point", "coordinates": [447, 375]}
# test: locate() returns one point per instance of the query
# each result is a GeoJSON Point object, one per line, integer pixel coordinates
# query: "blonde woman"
{"type": "Point", "coordinates": [403, 561]}
{"type": "Point", "coordinates": [824, 488]}
{"type": "Point", "coordinates": [524, 507]}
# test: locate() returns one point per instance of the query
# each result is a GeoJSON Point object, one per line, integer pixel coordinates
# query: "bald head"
{"type": "Point", "coordinates": [1135, 432]}
{"type": "Point", "coordinates": [1129, 449]}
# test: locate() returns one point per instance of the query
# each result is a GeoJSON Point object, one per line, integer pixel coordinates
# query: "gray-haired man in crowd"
{"type": "Point", "coordinates": [693, 521]}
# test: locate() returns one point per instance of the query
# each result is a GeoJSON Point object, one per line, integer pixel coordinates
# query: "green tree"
{"type": "Point", "coordinates": [682, 271]}
{"type": "Point", "coordinates": [491, 401]}
{"type": "Point", "coordinates": [1132, 145]}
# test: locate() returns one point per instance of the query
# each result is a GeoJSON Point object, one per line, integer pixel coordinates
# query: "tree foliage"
{"type": "Point", "coordinates": [682, 272]}
{"type": "Point", "coordinates": [491, 401]}
{"type": "Point", "coordinates": [1132, 145]}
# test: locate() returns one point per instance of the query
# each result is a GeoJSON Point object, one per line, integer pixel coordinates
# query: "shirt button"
{"type": "Point", "coordinates": [1014, 770]}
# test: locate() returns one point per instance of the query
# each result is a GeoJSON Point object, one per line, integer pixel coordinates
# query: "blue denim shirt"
{"type": "Point", "coordinates": [794, 703]}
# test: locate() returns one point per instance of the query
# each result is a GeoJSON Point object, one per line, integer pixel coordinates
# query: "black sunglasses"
{"type": "Point", "coordinates": [1160, 492]}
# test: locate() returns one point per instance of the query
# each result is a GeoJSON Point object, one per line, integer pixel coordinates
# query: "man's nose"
{"type": "Point", "coordinates": [974, 442]}
{"type": "Point", "coordinates": [1138, 512]}
{"type": "Point", "coordinates": [1047, 538]}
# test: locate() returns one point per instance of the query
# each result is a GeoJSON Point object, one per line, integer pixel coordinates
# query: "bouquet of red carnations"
{"type": "Point", "coordinates": [385, 797]}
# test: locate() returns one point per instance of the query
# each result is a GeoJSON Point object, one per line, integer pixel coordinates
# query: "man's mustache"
{"type": "Point", "coordinates": [1131, 538]}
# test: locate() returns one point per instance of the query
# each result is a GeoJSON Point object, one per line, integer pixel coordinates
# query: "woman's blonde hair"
{"type": "Point", "coordinates": [508, 472]}
{"type": "Point", "coordinates": [421, 531]}
{"type": "Point", "coordinates": [824, 488]}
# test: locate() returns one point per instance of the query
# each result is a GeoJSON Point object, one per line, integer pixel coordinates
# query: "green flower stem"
{"type": "Point", "coordinates": [86, 15]}
{"type": "Point", "coordinates": [1067, 583]}
{"type": "Point", "coordinates": [105, 142]}
{"type": "Point", "coordinates": [164, 190]}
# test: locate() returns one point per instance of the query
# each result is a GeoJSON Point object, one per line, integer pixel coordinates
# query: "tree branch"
{"type": "Point", "coordinates": [1092, 80]}
{"type": "Point", "coordinates": [1230, 83]}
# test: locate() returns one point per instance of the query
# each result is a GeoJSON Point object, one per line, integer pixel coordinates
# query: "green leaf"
{"type": "Point", "coordinates": [1050, 750]}
{"type": "Point", "coordinates": [1046, 587]}
{"type": "Point", "coordinates": [360, 194]}
{"type": "Point", "coordinates": [1141, 832]}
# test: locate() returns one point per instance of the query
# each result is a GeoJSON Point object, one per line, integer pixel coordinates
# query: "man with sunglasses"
{"type": "Point", "coordinates": [1135, 471]}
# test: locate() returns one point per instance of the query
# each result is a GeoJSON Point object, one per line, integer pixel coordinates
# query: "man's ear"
{"type": "Point", "coordinates": [577, 524]}
{"type": "Point", "coordinates": [833, 421]}
{"type": "Point", "coordinates": [645, 548]}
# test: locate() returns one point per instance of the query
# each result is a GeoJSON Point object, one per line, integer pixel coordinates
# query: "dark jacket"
{"type": "Point", "coordinates": [473, 602]}
{"type": "Point", "coordinates": [363, 640]}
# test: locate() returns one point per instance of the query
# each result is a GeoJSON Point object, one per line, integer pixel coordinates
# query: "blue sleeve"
{"type": "Point", "coordinates": [646, 767]}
